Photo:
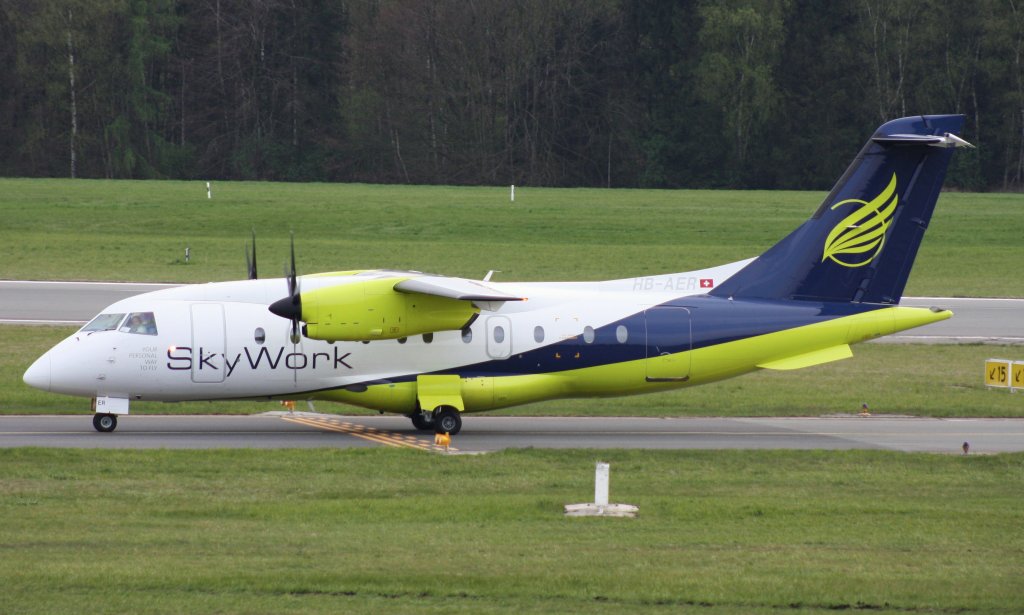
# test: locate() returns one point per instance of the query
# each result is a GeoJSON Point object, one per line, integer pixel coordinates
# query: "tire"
{"type": "Point", "coordinates": [104, 422]}
{"type": "Point", "coordinates": [423, 422]}
{"type": "Point", "coordinates": [447, 420]}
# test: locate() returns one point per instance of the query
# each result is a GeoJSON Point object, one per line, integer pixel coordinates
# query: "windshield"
{"type": "Point", "coordinates": [140, 323]}
{"type": "Point", "coordinates": [104, 322]}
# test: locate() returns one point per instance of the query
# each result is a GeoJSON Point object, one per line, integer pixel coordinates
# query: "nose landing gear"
{"type": "Point", "coordinates": [106, 410]}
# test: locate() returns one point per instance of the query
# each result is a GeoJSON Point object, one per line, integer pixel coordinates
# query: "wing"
{"type": "Point", "coordinates": [388, 305]}
{"type": "Point", "coordinates": [454, 288]}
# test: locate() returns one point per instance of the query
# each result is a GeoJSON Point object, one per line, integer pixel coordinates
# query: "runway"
{"type": "Point", "coordinates": [63, 303]}
{"type": "Point", "coordinates": [976, 320]}
{"type": "Point", "coordinates": [482, 434]}
{"type": "Point", "coordinates": [998, 321]}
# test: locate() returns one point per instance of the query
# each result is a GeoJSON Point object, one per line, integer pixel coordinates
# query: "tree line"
{"type": "Point", "coordinates": [647, 93]}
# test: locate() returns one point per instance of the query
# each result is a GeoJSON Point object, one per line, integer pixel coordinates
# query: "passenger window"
{"type": "Point", "coordinates": [538, 334]}
{"type": "Point", "coordinates": [140, 323]}
{"type": "Point", "coordinates": [260, 335]}
{"type": "Point", "coordinates": [499, 334]}
{"type": "Point", "coordinates": [467, 335]}
{"type": "Point", "coordinates": [428, 337]}
{"type": "Point", "coordinates": [104, 322]}
{"type": "Point", "coordinates": [588, 334]}
{"type": "Point", "coordinates": [621, 334]}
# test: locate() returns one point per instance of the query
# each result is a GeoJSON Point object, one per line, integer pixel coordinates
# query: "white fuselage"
{"type": "Point", "coordinates": [219, 341]}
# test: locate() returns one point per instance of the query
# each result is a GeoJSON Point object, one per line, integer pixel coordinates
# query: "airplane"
{"type": "Point", "coordinates": [434, 348]}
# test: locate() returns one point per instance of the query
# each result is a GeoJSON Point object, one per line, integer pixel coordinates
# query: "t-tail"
{"type": "Point", "coordinates": [860, 244]}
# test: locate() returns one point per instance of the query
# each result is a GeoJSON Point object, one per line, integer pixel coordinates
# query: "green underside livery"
{"type": "Point", "coordinates": [782, 350]}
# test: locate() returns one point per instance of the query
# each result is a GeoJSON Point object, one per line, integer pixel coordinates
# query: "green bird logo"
{"type": "Point", "coordinates": [859, 237]}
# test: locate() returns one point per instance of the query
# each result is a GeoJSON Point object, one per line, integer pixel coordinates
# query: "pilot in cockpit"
{"type": "Point", "coordinates": [140, 323]}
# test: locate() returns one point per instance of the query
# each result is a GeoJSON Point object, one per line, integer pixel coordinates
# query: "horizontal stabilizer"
{"type": "Point", "coordinates": [827, 355]}
{"type": "Point", "coordinates": [946, 140]}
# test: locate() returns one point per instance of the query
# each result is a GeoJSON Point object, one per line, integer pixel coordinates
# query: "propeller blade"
{"type": "Point", "coordinates": [290, 307]}
{"type": "Point", "coordinates": [250, 261]}
{"type": "Point", "coordinates": [293, 286]}
{"type": "Point", "coordinates": [296, 300]}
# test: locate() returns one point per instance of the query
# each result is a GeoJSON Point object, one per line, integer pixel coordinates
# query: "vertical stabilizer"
{"type": "Point", "coordinates": [860, 244]}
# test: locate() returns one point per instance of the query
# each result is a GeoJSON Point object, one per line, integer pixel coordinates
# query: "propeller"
{"type": "Point", "coordinates": [250, 259]}
{"type": "Point", "coordinates": [290, 307]}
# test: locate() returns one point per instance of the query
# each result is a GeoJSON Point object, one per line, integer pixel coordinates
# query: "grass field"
{"type": "Point", "coordinates": [138, 231]}
{"type": "Point", "coordinates": [400, 531]}
{"type": "Point", "coordinates": [926, 380]}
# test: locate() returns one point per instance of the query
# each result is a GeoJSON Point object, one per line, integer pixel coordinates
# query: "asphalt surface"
{"type": "Point", "coordinates": [489, 433]}
{"type": "Point", "coordinates": [61, 303]}
{"type": "Point", "coordinates": [976, 320]}
{"type": "Point", "coordinates": [999, 321]}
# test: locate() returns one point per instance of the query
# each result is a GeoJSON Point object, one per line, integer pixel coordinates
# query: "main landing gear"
{"type": "Point", "coordinates": [447, 420]}
{"type": "Point", "coordinates": [442, 420]}
{"type": "Point", "coordinates": [104, 422]}
{"type": "Point", "coordinates": [422, 421]}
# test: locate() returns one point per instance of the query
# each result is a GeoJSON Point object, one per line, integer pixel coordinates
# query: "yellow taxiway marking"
{"type": "Point", "coordinates": [370, 434]}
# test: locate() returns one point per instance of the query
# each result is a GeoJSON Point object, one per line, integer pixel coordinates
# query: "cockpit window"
{"type": "Point", "coordinates": [104, 322]}
{"type": "Point", "coordinates": [141, 323]}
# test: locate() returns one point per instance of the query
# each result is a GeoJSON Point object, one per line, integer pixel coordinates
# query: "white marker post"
{"type": "Point", "coordinates": [601, 507]}
{"type": "Point", "coordinates": [513, 193]}
{"type": "Point", "coordinates": [209, 191]}
{"type": "Point", "coordinates": [601, 476]}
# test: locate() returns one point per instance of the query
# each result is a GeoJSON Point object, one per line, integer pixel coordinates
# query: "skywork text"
{"type": "Point", "coordinates": [183, 358]}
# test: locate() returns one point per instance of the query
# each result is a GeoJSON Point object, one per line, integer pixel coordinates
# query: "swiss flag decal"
{"type": "Point", "coordinates": [707, 283]}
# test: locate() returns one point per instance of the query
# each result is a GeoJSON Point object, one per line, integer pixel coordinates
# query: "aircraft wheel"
{"type": "Point", "coordinates": [423, 422]}
{"type": "Point", "coordinates": [104, 422]}
{"type": "Point", "coordinates": [447, 420]}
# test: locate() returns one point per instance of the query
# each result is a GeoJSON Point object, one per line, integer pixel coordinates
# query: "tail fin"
{"type": "Point", "coordinates": [861, 242]}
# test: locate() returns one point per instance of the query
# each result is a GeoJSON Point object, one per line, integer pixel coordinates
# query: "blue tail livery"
{"type": "Point", "coordinates": [860, 244]}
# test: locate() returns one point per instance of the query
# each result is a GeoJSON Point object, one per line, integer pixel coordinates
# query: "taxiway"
{"type": "Point", "coordinates": [491, 433]}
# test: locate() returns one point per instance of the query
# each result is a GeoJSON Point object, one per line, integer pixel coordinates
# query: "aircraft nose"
{"type": "Point", "coordinates": [38, 374]}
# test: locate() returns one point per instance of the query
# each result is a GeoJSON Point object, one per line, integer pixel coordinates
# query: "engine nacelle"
{"type": "Point", "coordinates": [374, 310]}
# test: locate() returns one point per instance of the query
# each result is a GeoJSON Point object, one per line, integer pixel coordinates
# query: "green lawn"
{"type": "Point", "coordinates": [403, 531]}
{"type": "Point", "coordinates": [926, 380]}
{"type": "Point", "coordinates": [138, 231]}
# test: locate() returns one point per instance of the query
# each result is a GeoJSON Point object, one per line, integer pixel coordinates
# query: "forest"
{"type": "Point", "coordinates": [616, 93]}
